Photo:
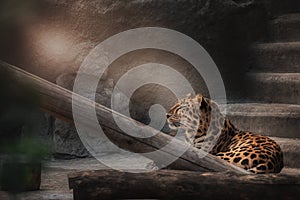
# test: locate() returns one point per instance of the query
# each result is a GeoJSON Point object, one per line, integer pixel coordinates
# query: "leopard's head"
{"type": "Point", "coordinates": [185, 114]}
{"type": "Point", "coordinates": [193, 116]}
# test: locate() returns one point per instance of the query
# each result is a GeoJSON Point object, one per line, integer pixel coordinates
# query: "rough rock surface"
{"type": "Point", "coordinates": [58, 35]}
{"type": "Point", "coordinates": [66, 141]}
{"type": "Point", "coordinates": [90, 22]}
{"type": "Point", "coordinates": [61, 33]}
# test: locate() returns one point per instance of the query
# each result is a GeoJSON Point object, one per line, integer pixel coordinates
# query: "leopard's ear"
{"type": "Point", "coordinates": [179, 100]}
{"type": "Point", "coordinates": [199, 95]}
{"type": "Point", "coordinates": [199, 98]}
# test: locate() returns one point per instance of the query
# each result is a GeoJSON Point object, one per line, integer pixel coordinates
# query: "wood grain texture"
{"type": "Point", "coordinates": [58, 102]}
{"type": "Point", "coordinates": [176, 184]}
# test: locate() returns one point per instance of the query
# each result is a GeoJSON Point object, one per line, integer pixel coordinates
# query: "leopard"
{"type": "Point", "coordinates": [205, 127]}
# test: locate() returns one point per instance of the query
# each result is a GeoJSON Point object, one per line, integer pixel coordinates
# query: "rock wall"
{"type": "Point", "coordinates": [55, 38]}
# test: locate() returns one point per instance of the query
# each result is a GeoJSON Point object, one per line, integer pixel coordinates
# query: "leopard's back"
{"type": "Point", "coordinates": [256, 153]}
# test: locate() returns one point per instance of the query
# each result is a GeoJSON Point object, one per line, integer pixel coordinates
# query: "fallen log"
{"type": "Point", "coordinates": [177, 184]}
{"type": "Point", "coordinates": [58, 102]}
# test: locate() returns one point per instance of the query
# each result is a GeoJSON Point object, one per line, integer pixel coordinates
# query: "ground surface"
{"type": "Point", "coordinates": [55, 182]}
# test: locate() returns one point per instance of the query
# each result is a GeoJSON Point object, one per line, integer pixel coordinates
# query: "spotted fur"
{"type": "Point", "coordinates": [205, 127]}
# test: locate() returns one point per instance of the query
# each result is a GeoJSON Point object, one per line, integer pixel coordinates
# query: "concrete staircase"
{"type": "Point", "coordinates": [274, 88]}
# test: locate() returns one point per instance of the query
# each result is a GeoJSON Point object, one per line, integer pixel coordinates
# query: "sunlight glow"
{"type": "Point", "coordinates": [54, 43]}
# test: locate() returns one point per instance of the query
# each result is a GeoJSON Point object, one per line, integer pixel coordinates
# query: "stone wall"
{"type": "Point", "coordinates": [54, 39]}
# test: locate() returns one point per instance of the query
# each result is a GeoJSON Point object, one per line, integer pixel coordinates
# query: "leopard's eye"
{"type": "Point", "coordinates": [184, 108]}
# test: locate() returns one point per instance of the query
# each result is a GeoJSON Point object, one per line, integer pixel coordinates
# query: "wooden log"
{"type": "Point", "coordinates": [176, 184]}
{"type": "Point", "coordinates": [58, 102]}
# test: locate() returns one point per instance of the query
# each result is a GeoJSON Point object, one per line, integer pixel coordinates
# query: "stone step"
{"type": "Point", "coordinates": [274, 87]}
{"type": "Point", "coordinates": [290, 171]}
{"type": "Point", "coordinates": [275, 120]}
{"type": "Point", "coordinates": [275, 57]}
{"type": "Point", "coordinates": [279, 7]}
{"type": "Point", "coordinates": [291, 153]}
{"type": "Point", "coordinates": [285, 28]}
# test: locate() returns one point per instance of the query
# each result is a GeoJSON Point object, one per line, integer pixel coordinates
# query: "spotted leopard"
{"type": "Point", "coordinates": [205, 127]}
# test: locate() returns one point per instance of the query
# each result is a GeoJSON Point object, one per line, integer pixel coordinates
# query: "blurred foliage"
{"type": "Point", "coordinates": [29, 146]}
{"type": "Point", "coordinates": [19, 177]}
{"type": "Point", "coordinates": [19, 112]}
{"type": "Point", "coordinates": [19, 103]}
{"type": "Point", "coordinates": [21, 149]}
